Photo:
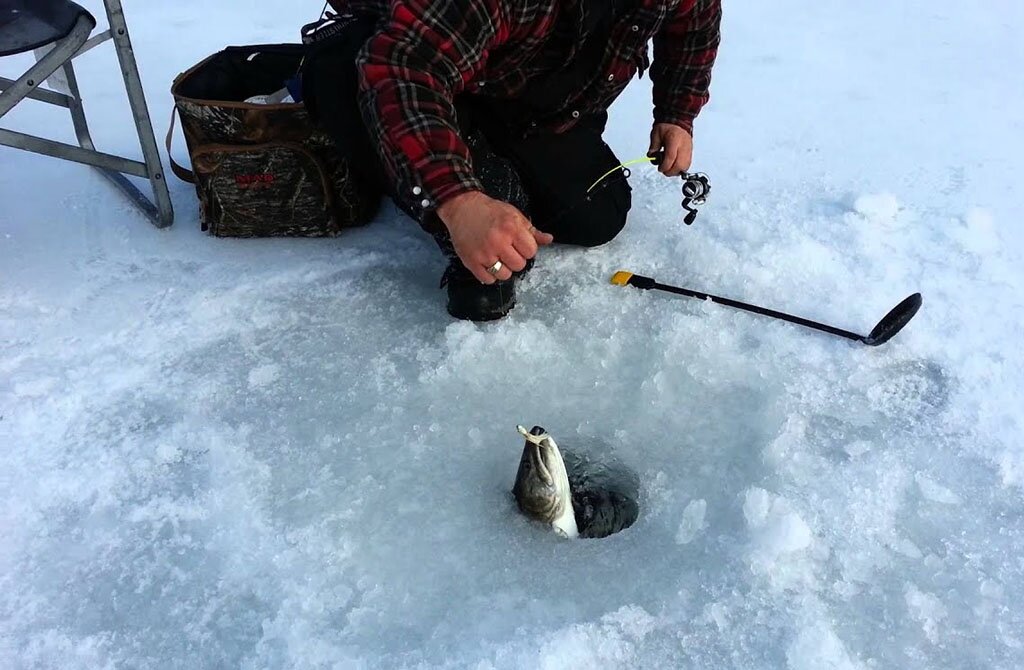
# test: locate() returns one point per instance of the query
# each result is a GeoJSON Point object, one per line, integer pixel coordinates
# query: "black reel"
{"type": "Point", "coordinates": [696, 187]}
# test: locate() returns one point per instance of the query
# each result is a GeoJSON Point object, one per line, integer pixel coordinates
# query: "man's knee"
{"type": "Point", "coordinates": [600, 219]}
{"type": "Point", "coordinates": [497, 174]}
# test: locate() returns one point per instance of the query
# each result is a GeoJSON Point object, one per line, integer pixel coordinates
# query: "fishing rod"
{"type": "Point", "coordinates": [696, 187]}
{"type": "Point", "coordinates": [892, 323]}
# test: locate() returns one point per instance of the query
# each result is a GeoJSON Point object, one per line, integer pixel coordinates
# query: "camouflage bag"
{"type": "Point", "coordinates": [262, 170]}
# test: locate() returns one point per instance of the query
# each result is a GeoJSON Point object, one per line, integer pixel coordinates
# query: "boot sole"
{"type": "Point", "coordinates": [493, 316]}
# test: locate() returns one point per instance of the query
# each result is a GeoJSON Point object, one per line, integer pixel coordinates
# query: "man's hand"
{"type": "Point", "coordinates": [485, 230]}
{"type": "Point", "coordinates": [678, 146]}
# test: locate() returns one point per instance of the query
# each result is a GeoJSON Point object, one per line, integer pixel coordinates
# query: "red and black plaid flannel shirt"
{"type": "Point", "coordinates": [429, 51]}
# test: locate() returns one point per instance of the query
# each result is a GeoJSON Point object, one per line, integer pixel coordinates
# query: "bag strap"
{"type": "Point", "coordinates": [180, 172]}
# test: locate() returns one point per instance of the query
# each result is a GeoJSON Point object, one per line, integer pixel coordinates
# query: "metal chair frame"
{"type": "Point", "coordinates": [62, 52]}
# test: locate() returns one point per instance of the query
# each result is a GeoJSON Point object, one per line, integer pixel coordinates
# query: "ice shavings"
{"type": "Point", "coordinates": [692, 522]}
{"type": "Point", "coordinates": [817, 647]}
{"type": "Point", "coordinates": [926, 609]}
{"type": "Point", "coordinates": [779, 538]}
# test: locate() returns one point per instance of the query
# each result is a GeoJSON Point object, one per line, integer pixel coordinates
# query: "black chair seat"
{"type": "Point", "coordinates": [30, 24]}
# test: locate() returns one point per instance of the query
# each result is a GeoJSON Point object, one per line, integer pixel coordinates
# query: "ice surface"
{"type": "Point", "coordinates": [283, 454]}
{"type": "Point", "coordinates": [979, 234]}
{"type": "Point", "coordinates": [936, 492]}
{"type": "Point", "coordinates": [879, 207]}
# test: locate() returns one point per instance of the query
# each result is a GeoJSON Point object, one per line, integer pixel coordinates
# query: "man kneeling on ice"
{"type": "Point", "coordinates": [482, 119]}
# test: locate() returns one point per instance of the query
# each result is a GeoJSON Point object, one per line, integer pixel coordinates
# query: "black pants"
{"type": "Point", "coordinates": [545, 175]}
{"type": "Point", "coordinates": [556, 170]}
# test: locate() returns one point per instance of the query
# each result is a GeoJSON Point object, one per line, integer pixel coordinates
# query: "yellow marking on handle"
{"type": "Point", "coordinates": [622, 277]}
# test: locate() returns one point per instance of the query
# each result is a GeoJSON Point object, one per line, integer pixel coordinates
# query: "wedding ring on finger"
{"type": "Point", "coordinates": [496, 268]}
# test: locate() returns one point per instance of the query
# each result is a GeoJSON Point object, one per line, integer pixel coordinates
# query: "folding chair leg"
{"type": "Point", "coordinates": [115, 177]}
{"type": "Point", "coordinates": [163, 215]}
{"type": "Point", "coordinates": [114, 168]}
{"type": "Point", "coordinates": [74, 105]}
{"type": "Point", "coordinates": [47, 65]}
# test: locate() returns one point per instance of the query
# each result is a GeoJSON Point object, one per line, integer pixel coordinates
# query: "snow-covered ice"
{"type": "Point", "coordinates": [877, 206]}
{"type": "Point", "coordinates": [283, 454]}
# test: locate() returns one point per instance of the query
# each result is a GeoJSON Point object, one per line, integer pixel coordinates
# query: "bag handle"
{"type": "Point", "coordinates": [180, 172]}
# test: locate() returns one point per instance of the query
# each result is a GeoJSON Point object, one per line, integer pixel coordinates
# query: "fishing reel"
{"type": "Point", "coordinates": [696, 187]}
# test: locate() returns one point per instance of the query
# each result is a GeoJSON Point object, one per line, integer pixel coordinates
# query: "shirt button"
{"type": "Point", "coordinates": [634, 28]}
{"type": "Point", "coordinates": [575, 114]}
{"type": "Point", "coordinates": [611, 77]}
{"type": "Point", "coordinates": [424, 203]}
{"type": "Point", "coordinates": [416, 190]}
{"type": "Point", "coordinates": [480, 84]}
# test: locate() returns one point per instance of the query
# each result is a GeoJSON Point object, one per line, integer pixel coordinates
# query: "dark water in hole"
{"type": "Point", "coordinates": [605, 493]}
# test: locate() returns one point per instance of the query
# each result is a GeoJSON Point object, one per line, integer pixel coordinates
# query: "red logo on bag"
{"type": "Point", "coordinates": [246, 181]}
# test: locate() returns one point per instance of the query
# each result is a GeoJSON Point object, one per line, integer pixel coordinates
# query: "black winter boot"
{"type": "Point", "coordinates": [470, 300]}
{"type": "Point", "coordinates": [467, 298]}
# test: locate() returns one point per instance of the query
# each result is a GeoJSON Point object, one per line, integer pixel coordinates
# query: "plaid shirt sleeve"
{"type": "Point", "coordinates": [409, 74]}
{"type": "Point", "coordinates": [684, 53]}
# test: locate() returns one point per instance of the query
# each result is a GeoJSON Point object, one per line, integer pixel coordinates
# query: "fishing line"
{"type": "Point", "coordinates": [622, 166]}
{"type": "Point", "coordinates": [696, 187]}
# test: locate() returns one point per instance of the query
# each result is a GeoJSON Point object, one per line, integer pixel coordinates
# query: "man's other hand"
{"type": "Point", "coordinates": [485, 230]}
{"type": "Point", "coordinates": [678, 146]}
